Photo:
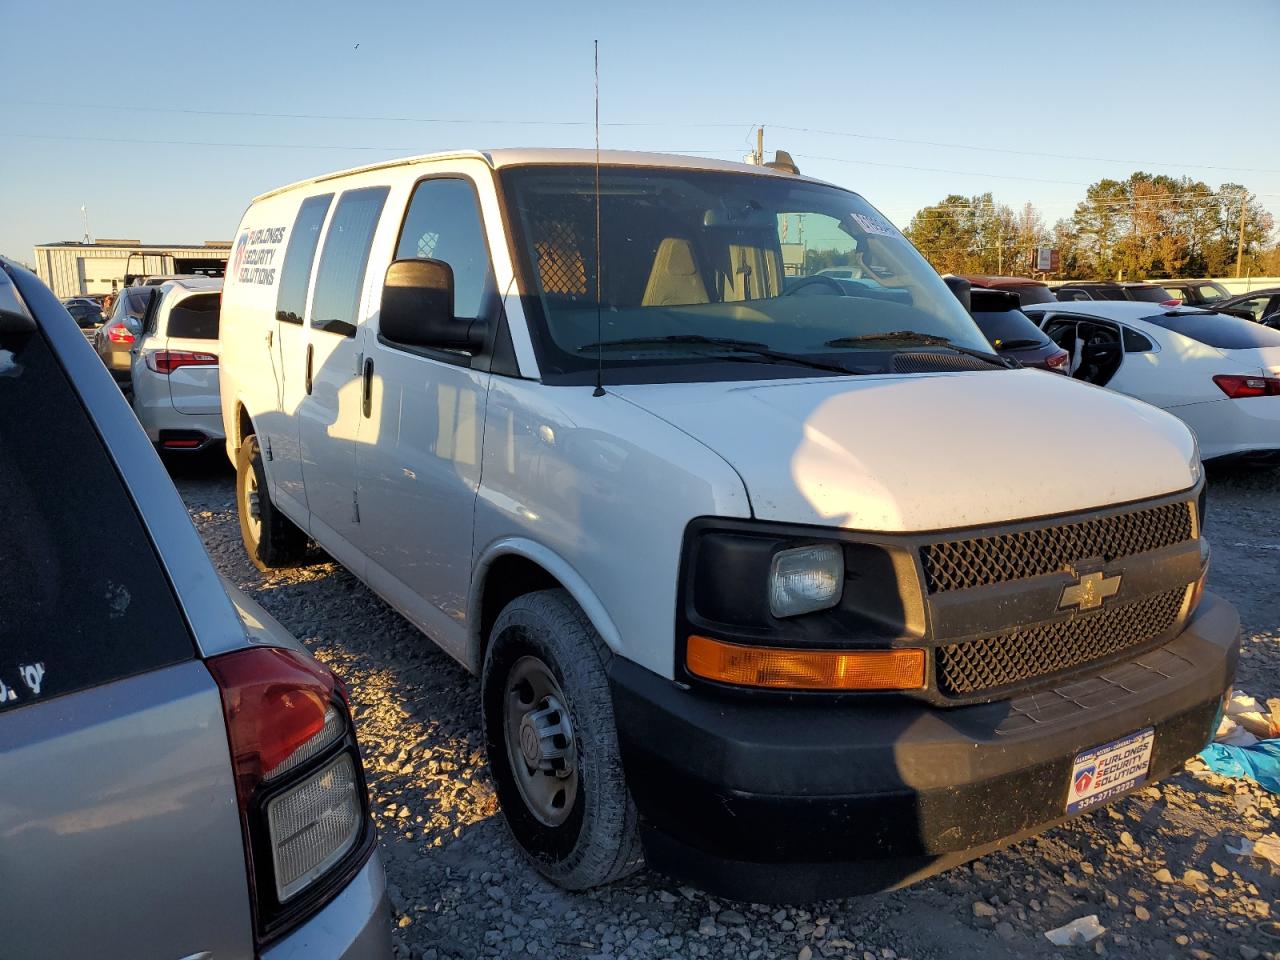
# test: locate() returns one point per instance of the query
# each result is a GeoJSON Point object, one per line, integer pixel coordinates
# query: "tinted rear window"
{"type": "Point", "coordinates": [136, 300]}
{"type": "Point", "coordinates": [1034, 294]}
{"type": "Point", "coordinates": [1150, 294]}
{"type": "Point", "coordinates": [196, 318]}
{"type": "Point", "coordinates": [1219, 330]}
{"type": "Point", "coordinates": [295, 276]}
{"type": "Point", "coordinates": [83, 596]}
{"type": "Point", "coordinates": [1008, 325]}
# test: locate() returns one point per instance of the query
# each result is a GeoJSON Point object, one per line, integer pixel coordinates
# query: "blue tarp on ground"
{"type": "Point", "coordinates": [1260, 761]}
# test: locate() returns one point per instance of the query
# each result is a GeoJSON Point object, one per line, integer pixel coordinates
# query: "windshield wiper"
{"type": "Point", "coordinates": [744, 348]}
{"type": "Point", "coordinates": [927, 339]}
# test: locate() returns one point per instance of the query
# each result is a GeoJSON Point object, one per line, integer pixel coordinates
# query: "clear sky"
{"type": "Point", "coordinates": [155, 115]}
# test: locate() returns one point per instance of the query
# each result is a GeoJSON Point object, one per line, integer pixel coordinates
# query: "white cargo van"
{"type": "Point", "coordinates": [779, 582]}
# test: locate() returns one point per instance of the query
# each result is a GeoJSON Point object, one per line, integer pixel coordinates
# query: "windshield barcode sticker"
{"type": "Point", "coordinates": [874, 225]}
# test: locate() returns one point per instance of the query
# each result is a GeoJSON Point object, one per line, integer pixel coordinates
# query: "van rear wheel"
{"type": "Point", "coordinates": [271, 539]}
{"type": "Point", "coordinates": [553, 747]}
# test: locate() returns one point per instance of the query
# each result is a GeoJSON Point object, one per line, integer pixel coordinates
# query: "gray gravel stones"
{"type": "Point", "coordinates": [460, 891]}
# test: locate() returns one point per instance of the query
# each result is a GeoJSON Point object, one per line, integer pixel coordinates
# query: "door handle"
{"type": "Point", "coordinates": [310, 353]}
{"type": "Point", "coordinates": [367, 397]}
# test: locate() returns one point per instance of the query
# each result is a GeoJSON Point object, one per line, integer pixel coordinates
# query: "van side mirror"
{"type": "Point", "coordinates": [417, 308]}
{"type": "Point", "coordinates": [960, 287]}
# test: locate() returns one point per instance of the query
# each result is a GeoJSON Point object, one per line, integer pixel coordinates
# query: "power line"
{"type": "Point", "coordinates": [961, 173]}
{"type": "Point", "coordinates": [469, 121]}
{"type": "Point", "coordinates": [706, 125]}
{"type": "Point", "coordinates": [285, 146]}
{"type": "Point", "coordinates": [1022, 153]}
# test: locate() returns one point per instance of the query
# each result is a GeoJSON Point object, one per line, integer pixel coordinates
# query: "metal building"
{"type": "Point", "coordinates": [72, 269]}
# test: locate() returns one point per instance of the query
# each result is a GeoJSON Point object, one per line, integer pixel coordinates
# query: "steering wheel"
{"type": "Point", "coordinates": [817, 280]}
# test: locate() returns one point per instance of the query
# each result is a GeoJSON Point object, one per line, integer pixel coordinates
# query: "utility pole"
{"type": "Point", "coordinates": [759, 146]}
{"type": "Point", "coordinates": [1000, 241]}
{"type": "Point", "coordinates": [1240, 242]}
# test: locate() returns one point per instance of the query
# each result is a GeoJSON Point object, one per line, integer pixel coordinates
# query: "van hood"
{"type": "Point", "coordinates": [929, 452]}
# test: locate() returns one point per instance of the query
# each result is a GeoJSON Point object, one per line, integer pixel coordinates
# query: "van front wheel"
{"type": "Point", "coordinates": [553, 748]}
{"type": "Point", "coordinates": [270, 538]}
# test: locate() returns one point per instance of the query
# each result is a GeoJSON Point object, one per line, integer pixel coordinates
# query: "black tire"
{"type": "Point", "coordinates": [275, 541]}
{"type": "Point", "coordinates": [598, 841]}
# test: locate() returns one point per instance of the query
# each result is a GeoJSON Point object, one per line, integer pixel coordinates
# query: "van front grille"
{"type": "Point", "coordinates": [983, 561]}
{"type": "Point", "coordinates": [993, 663]}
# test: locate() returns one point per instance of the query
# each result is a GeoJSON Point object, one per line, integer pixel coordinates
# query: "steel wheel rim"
{"type": "Point", "coordinates": [253, 506]}
{"type": "Point", "coordinates": [541, 748]}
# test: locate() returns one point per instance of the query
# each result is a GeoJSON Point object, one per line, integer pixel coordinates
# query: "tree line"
{"type": "Point", "coordinates": [1142, 227]}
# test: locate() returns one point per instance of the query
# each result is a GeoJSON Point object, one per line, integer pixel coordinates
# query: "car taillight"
{"type": "Point", "coordinates": [120, 334]}
{"type": "Point", "coordinates": [1058, 360]}
{"type": "Point", "coordinates": [304, 807]}
{"type": "Point", "coordinates": [167, 361]}
{"type": "Point", "coordinates": [1238, 387]}
{"type": "Point", "coordinates": [1170, 303]}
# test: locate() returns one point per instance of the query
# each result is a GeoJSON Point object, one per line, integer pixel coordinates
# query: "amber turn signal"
{"type": "Point", "coordinates": [1196, 593]}
{"type": "Point", "coordinates": [790, 669]}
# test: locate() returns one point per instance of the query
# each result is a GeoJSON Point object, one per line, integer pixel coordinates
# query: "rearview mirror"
{"type": "Point", "coordinates": [417, 308]}
{"type": "Point", "coordinates": [960, 287]}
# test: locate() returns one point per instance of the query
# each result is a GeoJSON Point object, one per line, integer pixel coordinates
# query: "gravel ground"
{"type": "Point", "coordinates": [1154, 867]}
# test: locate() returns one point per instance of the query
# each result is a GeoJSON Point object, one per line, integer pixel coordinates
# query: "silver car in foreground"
{"type": "Point", "coordinates": [179, 778]}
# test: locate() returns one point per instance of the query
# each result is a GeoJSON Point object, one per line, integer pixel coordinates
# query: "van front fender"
{"type": "Point", "coordinates": [556, 567]}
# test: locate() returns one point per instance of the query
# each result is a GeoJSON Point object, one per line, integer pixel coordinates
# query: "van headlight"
{"type": "Point", "coordinates": [805, 579]}
{"type": "Point", "coordinates": [1196, 467]}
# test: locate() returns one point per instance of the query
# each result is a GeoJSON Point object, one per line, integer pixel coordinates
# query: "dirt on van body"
{"type": "Point", "coordinates": [1154, 868]}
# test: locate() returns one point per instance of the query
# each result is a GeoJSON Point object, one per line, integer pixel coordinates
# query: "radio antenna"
{"type": "Point", "coordinates": [599, 390]}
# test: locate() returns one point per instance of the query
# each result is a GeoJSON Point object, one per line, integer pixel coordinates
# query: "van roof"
{"type": "Point", "coordinates": [511, 157]}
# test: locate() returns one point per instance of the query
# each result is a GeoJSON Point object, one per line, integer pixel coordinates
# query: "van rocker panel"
{"type": "Point", "coordinates": [772, 798]}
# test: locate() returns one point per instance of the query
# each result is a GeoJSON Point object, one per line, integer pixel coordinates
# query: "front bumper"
{"type": "Point", "coordinates": [354, 925]}
{"type": "Point", "coordinates": [773, 800]}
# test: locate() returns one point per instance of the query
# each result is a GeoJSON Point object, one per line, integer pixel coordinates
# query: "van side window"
{"type": "Point", "coordinates": [298, 257]}
{"type": "Point", "coordinates": [344, 258]}
{"type": "Point", "coordinates": [443, 222]}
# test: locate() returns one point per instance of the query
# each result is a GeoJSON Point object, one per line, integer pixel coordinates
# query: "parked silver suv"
{"type": "Point", "coordinates": [178, 776]}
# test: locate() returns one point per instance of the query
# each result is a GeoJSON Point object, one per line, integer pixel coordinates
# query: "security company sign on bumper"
{"type": "Point", "coordinates": [1101, 773]}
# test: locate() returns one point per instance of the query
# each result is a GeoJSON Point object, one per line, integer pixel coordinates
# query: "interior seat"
{"type": "Point", "coordinates": [674, 279]}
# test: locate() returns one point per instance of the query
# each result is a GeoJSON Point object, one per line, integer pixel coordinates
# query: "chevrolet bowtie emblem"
{"type": "Point", "coordinates": [1089, 591]}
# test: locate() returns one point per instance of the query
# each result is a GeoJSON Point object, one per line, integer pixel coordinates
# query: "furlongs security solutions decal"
{"type": "Point", "coordinates": [255, 255]}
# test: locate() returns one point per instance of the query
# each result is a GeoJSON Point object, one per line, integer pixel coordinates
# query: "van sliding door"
{"type": "Point", "coordinates": [330, 411]}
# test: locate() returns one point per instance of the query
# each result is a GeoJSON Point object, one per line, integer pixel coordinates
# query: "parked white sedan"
{"type": "Point", "coordinates": [1218, 373]}
{"type": "Point", "coordinates": [175, 366]}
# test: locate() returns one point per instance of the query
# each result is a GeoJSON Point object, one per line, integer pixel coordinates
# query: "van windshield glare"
{"type": "Point", "coordinates": [786, 264]}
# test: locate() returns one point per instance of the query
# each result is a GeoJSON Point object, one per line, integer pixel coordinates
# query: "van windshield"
{"type": "Point", "coordinates": [690, 256]}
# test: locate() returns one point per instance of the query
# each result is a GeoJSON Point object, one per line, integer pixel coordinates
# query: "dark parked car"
{"type": "Point", "coordinates": [1011, 332]}
{"type": "Point", "coordinates": [180, 777]}
{"type": "Point", "coordinates": [1196, 293]}
{"type": "Point", "coordinates": [1141, 292]}
{"type": "Point", "coordinates": [1262, 306]}
{"type": "Point", "coordinates": [1029, 291]}
{"type": "Point", "coordinates": [113, 341]}
{"type": "Point", "coordinates": [84, 312]}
